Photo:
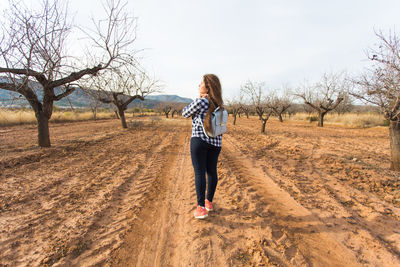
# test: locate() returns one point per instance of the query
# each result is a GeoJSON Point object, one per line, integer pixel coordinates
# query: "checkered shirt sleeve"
{"type": "Point", "coordinates": [198, 110]}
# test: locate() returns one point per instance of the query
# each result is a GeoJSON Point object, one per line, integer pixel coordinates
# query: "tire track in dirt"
{"type": "Point", "coordinates": [47, 193]}
{"type": "Point", "coordinates": [23, 150]}
{"type": "Point", "coordinates": [57, 161]}
{"type": "Point", "coordinates": [92, 190]}
{"type": "Point", "coordinates": [304, 230]}
{"type": "Point", "coordinates": [254, 222]}
{"type": "Point", "coordinates": [368, 230]}
{"type": "Point", "coordinates": [116, 209]}
{"type": "Point", "coordinates": [149, 238]}
{"type": "Point", "coordinates": [44, 211]}
{"type": "Point", "coordinates": [168, 235]}
{"type": "Point", "coordinates": [331, 205]}
{"type": "Point", "coordinates": [375, 233]}
{"type": "Point", "coordinates": [120, 208]}
{"type": "Point", "coordinates": [50, 154]}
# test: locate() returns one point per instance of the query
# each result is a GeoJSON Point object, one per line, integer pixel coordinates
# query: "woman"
{"type": "Point", "coordinates": [204, 150]}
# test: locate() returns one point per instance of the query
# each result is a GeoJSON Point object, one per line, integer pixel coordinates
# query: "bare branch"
{"type": "Point", "coordinates": [67, 92]}
{"type": "Point", "coordinates": [76, 76]}
{"type": "Point", "coordinates": [112, 36]}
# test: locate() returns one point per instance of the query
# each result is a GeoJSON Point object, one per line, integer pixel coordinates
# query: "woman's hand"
{"type": "Point", "coordinates": [203, 95]}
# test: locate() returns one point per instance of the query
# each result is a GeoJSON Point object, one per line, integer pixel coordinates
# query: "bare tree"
{"type": "Point", "coordinates": [34, 53]}
{"type": "Point", "coordinates": [246, 108]}
{"type": "Point", "coordinates": [233, 106]}
{"type": "Point", "coordinates": [93, 101]}
{"type": "Point", "coordinates": [324, 95]}
{"type": "Point", "coordinates": [120, 86]}
{"type": "Point", "coordinates": [292, 110]}
{"type": "Point", "coordinates": [164, 107]}
{"type": "Point", "coordinates": [257, 95]}
{"type": "Point", "coordinates": [94, 104]}
{"type": "Point", "coordinates": [177, 108]}
{"type": "Point", "coordinates": [380, 86]}
{"type": "Point", "coordinates": [280, 103]}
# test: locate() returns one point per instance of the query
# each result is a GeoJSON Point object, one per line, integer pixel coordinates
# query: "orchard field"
{"type": "Point", "coordinates": [102, 195]}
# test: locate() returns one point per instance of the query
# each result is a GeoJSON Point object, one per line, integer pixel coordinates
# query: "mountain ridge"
{"type": "Point", "coordinates": [79, 99]}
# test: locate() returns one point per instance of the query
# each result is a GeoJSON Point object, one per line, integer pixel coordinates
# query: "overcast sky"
{"type": "Point", "coordinates": [279, 42]}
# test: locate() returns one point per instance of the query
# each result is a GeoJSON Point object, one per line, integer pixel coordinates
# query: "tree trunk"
{"type": "Point", "coordinates": [280, 117]}
{"type": "Point", "coordinates": [122, 116]}
{"type": "Point", "coordinates": [247, 114]}
{"type": "Point", "coordinates": [321, 116]}
{"type": "Point", "coordinates": [166, 115]}
{"type": "Point", "coordinates": [395, 145]}
{"type": "Point", "coordinates": [43, 130]}
{"type": "Point", "coordinates": [94, 110]}
{"type": "Point", "coordinates": [116, 114]}
{"type": "Point", "coordinates": [234, 119]}
{"type": "Point", "coordinates": [264, 122]}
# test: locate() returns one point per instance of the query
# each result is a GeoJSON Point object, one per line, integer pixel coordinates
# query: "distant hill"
{"type": "Point", "coordinates": [170, 98]}
{"type": "Point", "coordinates": [79, 99]}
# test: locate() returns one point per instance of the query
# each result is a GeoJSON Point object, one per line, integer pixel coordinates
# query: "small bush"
{"type": "Point", "coordinates": [386, 123]}
{"type": "Point", "coordinates": [313, 118]}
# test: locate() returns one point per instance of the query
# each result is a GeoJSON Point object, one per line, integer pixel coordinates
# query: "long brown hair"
{"type": "Point", "coordinates": [213, 85]}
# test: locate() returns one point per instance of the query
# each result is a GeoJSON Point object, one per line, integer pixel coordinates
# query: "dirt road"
{"type": "Point", "coordinates": [298, 196]}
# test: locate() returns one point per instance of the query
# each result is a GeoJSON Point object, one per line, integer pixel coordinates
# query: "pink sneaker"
{"type": "Point", "coordinates": [200, 213]}
{"type": "Point", "coordinates": [209, 205]}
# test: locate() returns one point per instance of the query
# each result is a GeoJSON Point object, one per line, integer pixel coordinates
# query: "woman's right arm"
{"type": "Point", "coordinates": [197, 105]}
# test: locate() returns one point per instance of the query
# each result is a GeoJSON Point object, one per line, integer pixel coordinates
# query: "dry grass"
{"type": "Point", "coordinates": [16, 117]}
{"type": "Point", "coordinates": [79, 116]}
{"type": "Point", "coordinates": [353, 120]}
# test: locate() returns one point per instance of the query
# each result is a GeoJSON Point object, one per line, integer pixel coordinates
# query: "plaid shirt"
{"type": "Point", "coordinates": [198, 110]}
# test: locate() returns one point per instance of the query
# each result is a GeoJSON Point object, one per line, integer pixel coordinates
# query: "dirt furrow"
{"type": "Point", "coordinates": [121, 200]}
{"type": "Point", "coordinates": [249, 225]}
{"type": "Point", "coordinates": [147, 239]}
{"type": "Point", "coordinates": [297, 196]}
{"type": "Point", "coordinates": [84, 196]}
{"type": "Point", "coordinates": [360, 226]}
{"type": "Point", "coordinates": [82, 157]}
{"type": "Point", "coordinates": [343, 208]}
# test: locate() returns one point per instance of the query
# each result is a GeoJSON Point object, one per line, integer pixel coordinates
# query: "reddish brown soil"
{"type": "Point", "coordinates": [101, 195]}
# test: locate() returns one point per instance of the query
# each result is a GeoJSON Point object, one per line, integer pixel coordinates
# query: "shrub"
{"type": "Point", "coordinates": [313, 118]}
{"type": "Point", "coordinates": [386, 123]}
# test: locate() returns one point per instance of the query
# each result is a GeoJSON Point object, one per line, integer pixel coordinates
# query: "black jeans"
{"type": "Point", "coordinates": [204, 160]}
